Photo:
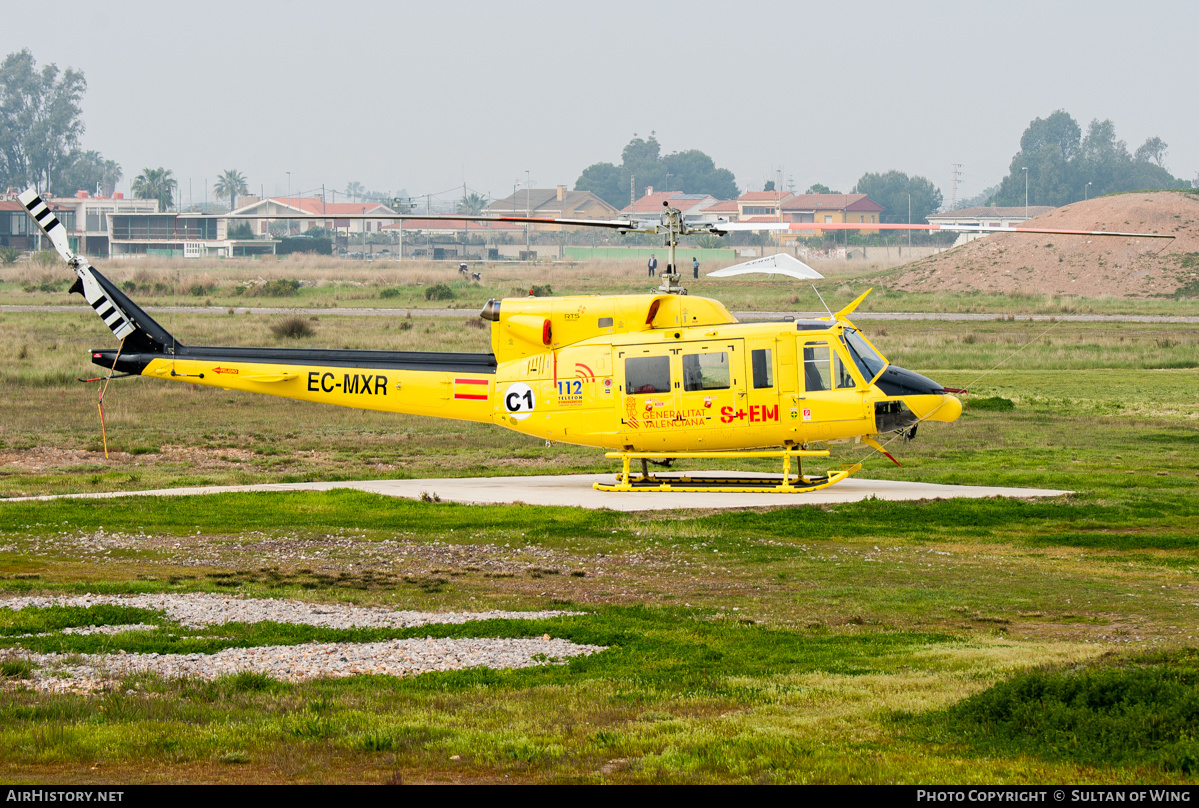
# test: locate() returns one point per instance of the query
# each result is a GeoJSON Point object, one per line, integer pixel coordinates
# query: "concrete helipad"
{"type": "Point", "coordinates": [575, 490]}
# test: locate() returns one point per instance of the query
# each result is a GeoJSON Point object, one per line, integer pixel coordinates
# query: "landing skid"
{"type": "Point", "coordinates": [784, 483]}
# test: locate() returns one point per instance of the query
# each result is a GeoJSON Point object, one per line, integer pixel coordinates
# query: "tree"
{"type": "Point", "coordinates": [87, 171]}
{"type": "Point", "coordinates": [817, 188]}
{"type": "Point", "coordinates": [155, 183]}
{"type": "Point", "coordinates": [604, 180]}
{"type": "Point", "coordinates": [769, 186]}
{"type": "Point", "coordinates": [696, 173]}
{"type": "Point", "coordinates": [1061, 163]}
{"type": "Point", "coordinates": [471, 204]}
{"type": "Point", "coordinates": [892, 190]}
{"type": "Point", "coordinates": [232, 184]}
{"type": "Point", "coordinates": [642, 165]}
{"type": "Point", "coordinates": [1152, 150]}
{"type": "Point", "coordinates": [354, 190]}
{"type": "Point", "coordinates": [40, 120]}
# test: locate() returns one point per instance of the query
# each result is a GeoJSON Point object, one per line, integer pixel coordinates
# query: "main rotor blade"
{"type": "Point", "coordinates": [735, 227]}
{"type": "Point", "coordinates": [615, 224]}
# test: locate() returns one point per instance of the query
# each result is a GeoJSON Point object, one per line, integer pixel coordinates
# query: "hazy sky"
{"type": "Point", "coordinates": [425, 96]}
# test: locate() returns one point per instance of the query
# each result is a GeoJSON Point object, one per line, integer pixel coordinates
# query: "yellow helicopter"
{"type": "Point", "coordinates": [652, 377]}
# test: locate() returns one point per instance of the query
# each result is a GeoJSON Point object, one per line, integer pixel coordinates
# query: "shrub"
{"type": "Point", "coordinates": [1132, 712]}
{"type": "Point", "coordinates": [292, 327]}
{"type": "Point", "coordinates": [304, 244]}
{"type": "Point", "coordinates": [541, 291]}
{"type": "Point", "coordinates": [281, 287]}
{"type": "Point", "coordinates": [391, 291]}
{"type": "Point", "coordinates": [9, 255]}
{"type": "Point", "coordinates": [439, 292]}
{"type": "Point", "coordinates": [241, 231]}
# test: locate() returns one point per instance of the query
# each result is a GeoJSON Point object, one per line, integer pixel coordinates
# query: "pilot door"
{"type": "Point", "coordinates": [830, 397]}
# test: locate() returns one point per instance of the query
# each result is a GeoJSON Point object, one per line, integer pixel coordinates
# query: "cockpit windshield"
{"type": "Point", "coordinates": [865, 357]}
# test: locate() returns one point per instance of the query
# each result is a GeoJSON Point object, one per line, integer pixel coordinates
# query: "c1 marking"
{"type": "Point", "coordinates": [519, 401]}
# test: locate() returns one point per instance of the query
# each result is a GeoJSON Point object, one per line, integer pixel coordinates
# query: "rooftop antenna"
{"type": "Point", "coordinates": [822, 303]}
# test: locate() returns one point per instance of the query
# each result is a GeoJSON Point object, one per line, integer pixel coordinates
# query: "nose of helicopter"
{"type": "Point", "coordinates": [928, 400]}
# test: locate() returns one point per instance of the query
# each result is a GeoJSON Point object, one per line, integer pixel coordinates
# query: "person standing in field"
{"type": "Point", "coordinates": [695, 267]}
{"type": "Point", "coordinates": [653, 264]}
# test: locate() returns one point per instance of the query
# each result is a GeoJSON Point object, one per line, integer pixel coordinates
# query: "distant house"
{"type": "Point", "coordinates": [987, 217]}
{"type": "Point", "coordinates": [317, 213]}
{"type": "Point", "coordinates": [724, 209]}
{"type": "Point", "coordinates": [691, 205]}
{"type": "Point", "coordinates": [110, 227]}
{"type": "Point", "coordinates": [93, 218]}
{"type": "Point", "coordinates": [557, 203]}
{"type": "Point", "coordinates": [753, 204]}
{"type": "Point", "coordinates": [20, 232]}
{"type": "Point", "coordinates": [829, 209]}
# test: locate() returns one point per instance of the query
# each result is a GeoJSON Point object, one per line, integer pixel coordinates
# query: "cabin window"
{"type": "Point", "coordinates": [706, 371]}
{"type": "Point", "coordinates": [816, 367]}
{"type": "Point", "coordinates": [647, 374]}
{"type": "Point", "coordinates": [763, 369]}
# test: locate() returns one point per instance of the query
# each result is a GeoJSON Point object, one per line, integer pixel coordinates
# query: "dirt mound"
{"type": "Point", "coordinates": [1077, 265]}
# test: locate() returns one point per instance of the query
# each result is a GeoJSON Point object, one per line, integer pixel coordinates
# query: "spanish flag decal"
{"type": "Point", "coordinates": [470, 389]}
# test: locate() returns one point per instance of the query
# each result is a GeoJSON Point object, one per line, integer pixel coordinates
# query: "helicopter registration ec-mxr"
{"type": "Point", "coordinates": [651, 377]}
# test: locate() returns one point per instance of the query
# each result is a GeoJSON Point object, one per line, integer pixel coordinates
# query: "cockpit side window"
{"type": "Point", "coordinates": [841, 373]}
{"type": "Point", "coordinates": [816, 371]}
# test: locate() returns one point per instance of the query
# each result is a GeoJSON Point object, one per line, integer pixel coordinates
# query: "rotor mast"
{"type": "Point", "coordinates": [671, 228]}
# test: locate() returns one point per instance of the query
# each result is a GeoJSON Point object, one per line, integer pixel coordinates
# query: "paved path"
{"type": "Point", "coordinates": [576, 490]}
{"type": "Point", "coordinates": [740, 315]}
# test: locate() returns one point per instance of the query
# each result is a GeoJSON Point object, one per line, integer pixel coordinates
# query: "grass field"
{"type": "Point", "coordinates": [998, 641]}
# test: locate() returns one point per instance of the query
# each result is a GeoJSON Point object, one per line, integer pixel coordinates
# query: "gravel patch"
{"type": "Point", "coordinates": [83, 673]}
{"type": "Point", "coordinates": [58, 673]}
{"type": "Point", "coordinates": [199, 609]}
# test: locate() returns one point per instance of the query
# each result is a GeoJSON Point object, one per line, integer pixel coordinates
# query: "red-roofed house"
{"type": "Point", "coordinates": [324, 214]}
{"type": "Point", "coordinates": [555, 203]}
{"type": "Point", "coordinates": [724, 209]}
{"type": "Point", "coordinates": [829, 209]}
{"type": "Point", "coordinates": [650, 204]}
{"type": "Point", "coordinates": [760, 203]}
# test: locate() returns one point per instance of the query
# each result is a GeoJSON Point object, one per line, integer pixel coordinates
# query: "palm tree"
{"type": "Point", "coordinates": [231, 183]}
{"type": "Point", "coordinates": [471, 204]}
{"type": "Point", "coordinates": [354, 190]}
{"type": "Point", "coordinates": [155, 183]}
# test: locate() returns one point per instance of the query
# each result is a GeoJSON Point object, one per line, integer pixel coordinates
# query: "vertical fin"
{"type": "Point", "coordinates": [113, 315]}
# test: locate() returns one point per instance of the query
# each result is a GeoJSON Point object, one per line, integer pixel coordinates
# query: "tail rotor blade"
{"type": "Point", "coordinates": [113, 316]}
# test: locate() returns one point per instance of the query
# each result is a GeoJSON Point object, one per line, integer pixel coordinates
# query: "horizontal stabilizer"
{"type": "Point", "coordinates": [777, 264]}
